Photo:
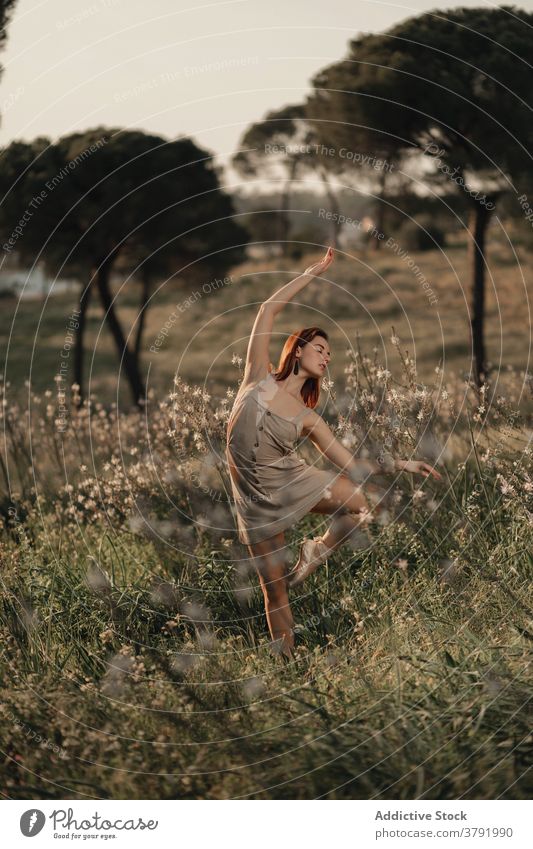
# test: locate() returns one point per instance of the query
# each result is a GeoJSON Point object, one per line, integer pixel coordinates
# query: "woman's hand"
{"type": "Point", "coordinates": [320, 267]}
{"type": "Point", "coordinates": [417, 467]}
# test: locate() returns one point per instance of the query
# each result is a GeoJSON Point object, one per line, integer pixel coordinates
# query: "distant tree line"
{"type": "Point", "coordinates": [104, 199]}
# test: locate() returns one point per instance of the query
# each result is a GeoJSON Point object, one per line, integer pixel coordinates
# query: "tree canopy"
{"type": "Point", "coordinates": [95, 196]}
{"type": "Point", "coordinates": [454, 85]}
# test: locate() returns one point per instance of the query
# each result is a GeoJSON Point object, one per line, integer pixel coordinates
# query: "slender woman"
{"type": "Point", "coordinates": [273, 488]}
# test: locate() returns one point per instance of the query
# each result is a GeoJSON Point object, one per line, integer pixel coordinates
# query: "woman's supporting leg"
{"type": "Point", "coordinates": [269, 557]}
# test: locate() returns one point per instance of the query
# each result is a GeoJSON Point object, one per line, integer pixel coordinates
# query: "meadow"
{"type": "Point", "coordinates": [367, 293]}
{"type": "Point", "coordinates": [135, 657]}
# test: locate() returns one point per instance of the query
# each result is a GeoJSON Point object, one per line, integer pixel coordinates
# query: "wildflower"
{"type": "Point", "coordinates": [359, 623]}
{"type": "Point", "coordinates": [107, 636]}
{"type": "Point", "coordinates": [97, 579]}
{"type": "Point", "coordinates": [182, 663]}
{"type": "Point", "coordinates": [384, 517]}
{"type": "Point", "coordinates": [166, 528]}
{"type": "Point", "coordinates": [136, 523]}
{"type": "Point", "coordinates": [165, 594]}
{"type": "Point", "coordinates": [348, 440]}
{"type": "Point", "coordinates": [253, 688]}
{"type": "Point", "coordinates": [195, 612]}
{"type": "Point", "coordinates": [505, 487]}
{"type": "Point", "coordinates": [448, 570]}
{"type": "Point", "coordinates": [115, 681]}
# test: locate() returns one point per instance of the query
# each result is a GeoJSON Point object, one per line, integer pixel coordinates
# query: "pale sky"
{"type": "Point", "coordinates": [175, 67]}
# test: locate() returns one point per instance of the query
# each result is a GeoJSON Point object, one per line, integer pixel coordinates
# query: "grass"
{"type": "Point", "coordinates": [404, 685]}
{"type": "Point", "coordinates": [134, 650]}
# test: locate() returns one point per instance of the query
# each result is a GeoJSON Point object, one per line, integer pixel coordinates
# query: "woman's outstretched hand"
{"type": "Point", "coordinates": [320, 267]}
{"type": "Point", "coordinates": [417, 467]}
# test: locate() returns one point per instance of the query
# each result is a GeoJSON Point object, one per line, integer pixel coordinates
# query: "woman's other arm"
{"type": "Point", "coordinates": [356, 469]}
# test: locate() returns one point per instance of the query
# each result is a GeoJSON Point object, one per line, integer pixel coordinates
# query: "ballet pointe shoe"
{"type": "Point", "coordinates": [313, 552]}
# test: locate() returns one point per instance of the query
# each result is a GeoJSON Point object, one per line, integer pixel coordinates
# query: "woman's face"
{"type": "Point", "coordinates": [315, 356]}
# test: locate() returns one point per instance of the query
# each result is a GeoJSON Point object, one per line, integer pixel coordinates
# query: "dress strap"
{"type": "Point", "coordinates": [299, 415]}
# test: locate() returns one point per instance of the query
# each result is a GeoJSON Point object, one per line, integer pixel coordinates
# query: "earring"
{"type": "Point", "coordinates": [296, 368]}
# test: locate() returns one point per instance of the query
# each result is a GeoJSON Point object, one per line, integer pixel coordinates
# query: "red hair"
{"type": "Point", "coordinates": [311, 388]}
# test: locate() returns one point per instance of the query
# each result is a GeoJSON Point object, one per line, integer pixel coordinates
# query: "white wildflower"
{"type": "Point", "coordinates": [253, 688]}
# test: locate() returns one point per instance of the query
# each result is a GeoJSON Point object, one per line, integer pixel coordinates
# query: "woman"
{"type": "Point", "coordinates": [272, 488]}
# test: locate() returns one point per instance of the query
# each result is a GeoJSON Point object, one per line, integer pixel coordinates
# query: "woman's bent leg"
{"type": "Point", "coordinates": [351, 508]}
{"type": "Point", "coordinates": [270, 562]}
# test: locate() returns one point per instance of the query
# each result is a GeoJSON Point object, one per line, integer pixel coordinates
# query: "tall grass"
{"type": "Point", "coordinates": [135, 656]}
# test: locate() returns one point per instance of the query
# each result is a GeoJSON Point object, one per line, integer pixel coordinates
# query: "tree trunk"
{"type": "Point", "coordinates": [479, 219]}
{"type": "Point", "coordinates": [283, 215]}
{"type": "Point", "coordinates": [131, 369]}
{"type": "Point", "coordinates": [334, 206]}
{"type": "Point", "coordinates": [381, 210]}
{"type": "Point", "coordinates": [143, 309]}
{"type": "Point", "coordinates": [85, 298]}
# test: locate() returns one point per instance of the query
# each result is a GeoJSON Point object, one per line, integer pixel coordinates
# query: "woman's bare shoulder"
{"type": "Point", "coordinates": [250, 380]}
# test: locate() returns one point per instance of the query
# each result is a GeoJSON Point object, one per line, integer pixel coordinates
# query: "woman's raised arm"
{"type": "Point", "coordinates": [287, 292]}
{"type": "Point", "coordinates": [257, 355]}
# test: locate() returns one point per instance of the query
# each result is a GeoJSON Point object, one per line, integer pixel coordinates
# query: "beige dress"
{"type": "Point", "coordinates": [272, 487]}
